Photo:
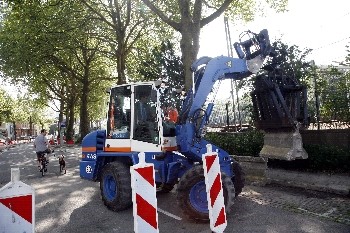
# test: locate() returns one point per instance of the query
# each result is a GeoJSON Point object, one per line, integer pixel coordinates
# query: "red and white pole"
{"type": "Point", "coordinates": [144, 196]}
{"type": "Point", "coordinates": [215, 197]}
{"type": "Point", "coordinates": [17, 206]}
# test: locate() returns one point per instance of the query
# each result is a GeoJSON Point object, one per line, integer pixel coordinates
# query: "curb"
{"type": "Point", "coordinates": [336, 184]}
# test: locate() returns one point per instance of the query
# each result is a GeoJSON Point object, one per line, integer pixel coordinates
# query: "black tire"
{"type": "Point", "coordinates": [192, 178]}
{"type": "Point", "coordinates": [115, 186]}
{"type": "Point", "coordinates": [164, 188]}
{"type": "Point", "coordinates": [239, 178]}
{"type": "Point", "coordinates": [42, 169]}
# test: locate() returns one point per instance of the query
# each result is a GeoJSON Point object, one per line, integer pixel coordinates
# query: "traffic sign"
{"type": "Point", "coordinates": [215, 197]}
{"type": "Point", "coordinates": [17, 206]}
{"type": "Point", "coordinates": [144, 197]}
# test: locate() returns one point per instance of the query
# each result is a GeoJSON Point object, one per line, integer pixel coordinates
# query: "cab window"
{"type": "Point", "coordinates": [119, 114]}
{"type": "Point", "coordinates": [145, 120]}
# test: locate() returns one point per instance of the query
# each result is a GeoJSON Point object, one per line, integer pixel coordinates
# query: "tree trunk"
{"type": "Point", "coordinates": [70, 120]}
{"type": "Point", "coordinates": [189, 47]}
{"type": "Point", "coordinates": [60, 117]}
{"type": "Point", "coordinates": [84, 118]}
{"type": "Point", "coordinates": [66, 112]}
{"type": "Point", "coordinates": [30, 126]}
{"type": "Point", "coordinates": [120, 55]}
{"type": "Point", "coordinates": [70, 115]}
{"type": "Point", "coordinates": [14, 130]}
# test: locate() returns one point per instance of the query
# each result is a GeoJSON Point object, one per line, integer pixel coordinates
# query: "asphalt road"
{"type": "Point", "coordinates": [67, 203]}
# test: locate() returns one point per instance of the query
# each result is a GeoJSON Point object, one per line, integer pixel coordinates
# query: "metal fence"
{"type": "Point", "coordinates": [329, 125]}
{"type": "Point", "coordinates": [223, 116]}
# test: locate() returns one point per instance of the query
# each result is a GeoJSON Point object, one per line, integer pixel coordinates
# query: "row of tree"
{"type": "Point", "coordinates": [70, 51]}
{"type": "Point", "coordinates": [23, 108]}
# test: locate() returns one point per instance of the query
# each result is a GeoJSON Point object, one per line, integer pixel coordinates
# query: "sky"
{"type": "Point", "coordinates": [316, 24]}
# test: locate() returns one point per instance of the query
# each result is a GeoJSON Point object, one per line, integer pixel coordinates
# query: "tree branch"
{"type": "Point", "coordinates": [97, 13]}
{"type": "Point", "coordinates": [197, 10]}
{"type": "Point", "coordinates": [217, 13]}
{"type": "Point", "coordinates": [138, 36]}
{"type": "Point", "coordinates": [167, 20]}
{"type": "Point", "coordinates": [131, 32]}
{"type": "Point", "coordinates": [207, 4]}
{"type": "Point", "coordinates": [128, 14]}
{"type": "Point", "coordinates": [116, 15]}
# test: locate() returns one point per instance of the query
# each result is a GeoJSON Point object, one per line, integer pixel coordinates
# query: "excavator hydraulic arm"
{"type": "Point", "coordinates": [279, 102]}
{"type": "Point", "coordinates": [208, 71]}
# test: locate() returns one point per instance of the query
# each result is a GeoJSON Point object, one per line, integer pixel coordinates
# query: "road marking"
{"type": "Point", "coordinates": [169, 214]}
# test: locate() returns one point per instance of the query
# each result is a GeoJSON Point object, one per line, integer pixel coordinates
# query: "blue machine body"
{"type": "Point", "coordinates": [171, 165]}
{"type": "Point", "coordinates": [167, 170]}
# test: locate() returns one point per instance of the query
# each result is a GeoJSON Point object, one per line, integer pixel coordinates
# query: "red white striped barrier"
{"type": "Point", "coordinates": [17, 205]}
{"type": "Point", "coordinates": [215, 197]}
{"type": "Point", "coordinates": [144, 196]}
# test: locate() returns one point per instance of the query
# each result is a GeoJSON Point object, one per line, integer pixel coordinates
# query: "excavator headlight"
{"type": "Point", "coordinates": [255, 64]}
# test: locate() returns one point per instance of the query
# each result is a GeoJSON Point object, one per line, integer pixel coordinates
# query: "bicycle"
{"type": "Point", "coordinates": [44, 161]}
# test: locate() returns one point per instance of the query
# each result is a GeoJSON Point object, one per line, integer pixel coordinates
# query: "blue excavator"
{"type": "Point", "coordinates": [169, 127]}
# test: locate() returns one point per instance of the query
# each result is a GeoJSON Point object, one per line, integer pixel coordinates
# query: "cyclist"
{"type": "Point", "coordinates": [41, 145]}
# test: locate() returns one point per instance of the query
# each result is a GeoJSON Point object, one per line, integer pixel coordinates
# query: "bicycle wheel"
{"type": "Point", "coordinates": [43, 166]}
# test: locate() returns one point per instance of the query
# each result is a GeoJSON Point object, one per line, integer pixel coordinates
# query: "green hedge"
{"type": "Point", "coordinates": [321, 157]}
{"type": "Point", "coordinates": [326, 157]}
{"type": "Point", "coordinates": [244, 144]}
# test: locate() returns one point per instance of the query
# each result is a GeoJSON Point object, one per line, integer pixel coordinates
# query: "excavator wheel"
{"type": "Point", "coordinates": [192, 195]}
{"type": "Point", "coordinates": [115, 186]}
{"type": "Point", "coordinates": [239, 179]}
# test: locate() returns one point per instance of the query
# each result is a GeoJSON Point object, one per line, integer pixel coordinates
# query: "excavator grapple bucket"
{"type": "Point", "coordinates": [280, 109]}
{"type": "Point", "coordinates": [283, 146]}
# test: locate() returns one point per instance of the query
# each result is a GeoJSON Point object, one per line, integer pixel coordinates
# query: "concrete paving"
{"type": "Point", "coordinates": [304, 201]}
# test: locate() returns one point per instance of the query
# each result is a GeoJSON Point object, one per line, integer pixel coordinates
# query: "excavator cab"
{"type": "Point", "coordinates": [141, 117]}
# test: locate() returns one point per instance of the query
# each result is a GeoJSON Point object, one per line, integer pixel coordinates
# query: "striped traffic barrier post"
{"type": "Point", "coordinates": [17, 205]}
{"type": "Point", "coordinates": [215, 197]}
{"type": "Point", "coordinates": [144, 196]}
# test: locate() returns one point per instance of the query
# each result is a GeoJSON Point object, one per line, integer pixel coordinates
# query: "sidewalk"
{"type": "Point", "coordinates": [338, 184]}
